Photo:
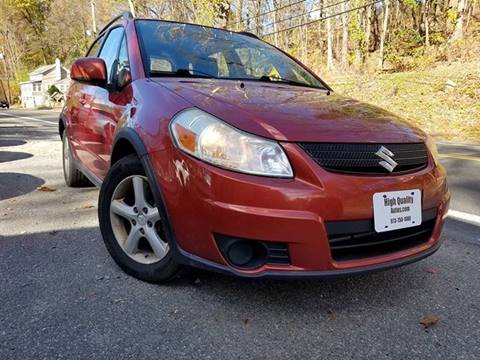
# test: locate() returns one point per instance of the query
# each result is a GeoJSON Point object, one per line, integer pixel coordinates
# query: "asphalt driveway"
{"type": "Point", "coordinates": [62, 297]}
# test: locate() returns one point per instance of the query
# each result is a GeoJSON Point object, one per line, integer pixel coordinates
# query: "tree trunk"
{"type": "Point", "coordinates": [131, 5]}
{"type": "Point", "coordinates": [319, 26]}
{"type": "Point", "coordinates": [238, 18]}
{"type": "Point", "coordinates": [94, 19]}
{"type": "Point", "coordinates": [257, 11]}
{"type": "Point", "coordinates": [344, 35]}
{"type": "Point", "coordinates": [329, 42]}
{"type": "Point", "coordinates": [3, 90]}
{"type": "Point", "coordinates": [368, 27]}
{"type": "Point", "coordinates": [426, 23]}
{"type": "Point", "coordinates": [275, 26]}
{"type": "Point", "coordinates": [458, 32]}
{"type": "Point", "coordinates": [384, 33]}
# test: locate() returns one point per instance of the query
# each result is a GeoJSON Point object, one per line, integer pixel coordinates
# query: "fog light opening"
{"type": "Point", "coordinates": [243, 254]}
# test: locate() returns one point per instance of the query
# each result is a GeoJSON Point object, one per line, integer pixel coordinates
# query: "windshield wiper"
{"type": "Point", "coordinates": [184, 73]}
{"type": "Point", "coordinates": [275, 79]}
{"type": "Point", "coordinates": [200, 74]}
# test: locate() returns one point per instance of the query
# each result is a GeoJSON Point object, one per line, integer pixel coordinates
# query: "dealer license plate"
{"type": "Point", "coordinates": [393, 210]}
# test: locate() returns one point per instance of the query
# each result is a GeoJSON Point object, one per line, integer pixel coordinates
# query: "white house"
{"type": "Point", "coordinates": [34, 92]}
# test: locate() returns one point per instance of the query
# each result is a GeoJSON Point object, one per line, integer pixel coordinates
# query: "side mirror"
{"type": "Point", "coordinates": [90, 71]}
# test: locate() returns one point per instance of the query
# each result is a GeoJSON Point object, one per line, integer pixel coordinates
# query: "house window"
{"type": "Point", "coordinates": [37, 87]}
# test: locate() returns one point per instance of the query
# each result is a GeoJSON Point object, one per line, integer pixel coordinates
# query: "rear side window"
{"type": "Point", "coordinates": [95, 47]}
{"type": "Point", "coordinates": [110, 48]}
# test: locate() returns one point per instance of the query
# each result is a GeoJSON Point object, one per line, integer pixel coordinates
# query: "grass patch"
{"type": "Point", "coordinates": [421, 98]}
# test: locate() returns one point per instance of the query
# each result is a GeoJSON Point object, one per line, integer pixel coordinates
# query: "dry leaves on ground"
{"type": "Point", "coordinates": [46, 188]}
{"type": "Point", "coordinates": [429, 321]}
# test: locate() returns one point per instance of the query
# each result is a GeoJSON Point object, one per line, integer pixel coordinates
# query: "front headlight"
{"type": "Point", "coordinates": [211, 140]}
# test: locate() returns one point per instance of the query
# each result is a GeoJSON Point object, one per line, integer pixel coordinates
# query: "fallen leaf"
{"type": "Point", "coordinates": [46, 188]}
{"type": "Point", "coordinates": [86, 206]}
{"type": "Point", "coordinates": [429, 321]}
{"type": "Point", "coordinates": [431, 270]}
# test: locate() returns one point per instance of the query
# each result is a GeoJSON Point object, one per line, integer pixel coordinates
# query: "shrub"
{"type": "Point", "coordinates": [403, 46]}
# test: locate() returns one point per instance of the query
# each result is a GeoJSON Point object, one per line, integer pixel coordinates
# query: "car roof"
{"type": "Point", "coordinates": [128, 16]}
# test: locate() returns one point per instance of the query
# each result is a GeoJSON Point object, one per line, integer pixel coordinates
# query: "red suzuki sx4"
{"type": "Point", "coordinates": [217, 150]}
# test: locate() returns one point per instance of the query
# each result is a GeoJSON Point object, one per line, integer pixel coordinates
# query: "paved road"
{"type": "Point", "coordinates": [61, 296]}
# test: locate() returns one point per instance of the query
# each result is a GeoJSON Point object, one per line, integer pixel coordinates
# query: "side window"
{"type": "Point", "coordinates": [123, 65]}
{"type": "Point", "coordinates": [95, 47]}
{"type": "Point", "coordinates": [110, 50]}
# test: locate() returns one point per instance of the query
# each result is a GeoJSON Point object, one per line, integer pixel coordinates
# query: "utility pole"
{"type": "Point", "coordinates": [2, 57]}
{"type": "Point", "coordinates": [94, 20]}
{"type": "Point", "coordinates": [132, 7]}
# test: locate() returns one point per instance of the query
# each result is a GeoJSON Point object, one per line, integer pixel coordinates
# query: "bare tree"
{"type": "Point", "coordinates": [344, 34]}
{"type": "Point", "coordinates": [368, 27]}
{"type": "Point", "coordinates": [275, 24]}
{"type": "Point", "coordinates": [384, 33]}
{"type": "Point", "coordinates": [330, 36]}
{"type": "Point", "coordinates": [458, 32]}
{"type": "Point", "coordinates": [426, 23]}
{"type": "Point", "coordinates": [239, 15]}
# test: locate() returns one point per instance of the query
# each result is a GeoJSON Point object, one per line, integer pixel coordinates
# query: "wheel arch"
{"type": "Point", "coordinates": [127, 139]}
{"type": "Point", "coordinates": [130, 136]}
{"type": "Point", "coordinates": [61, 126]}
{"type": "Point", "coordinates": [127, 142]}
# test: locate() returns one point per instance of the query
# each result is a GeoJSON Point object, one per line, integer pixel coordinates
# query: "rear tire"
{"type": "Point", "coordinates": [131, 225]}
{"type": "Point", "coordinates": [73, 177]}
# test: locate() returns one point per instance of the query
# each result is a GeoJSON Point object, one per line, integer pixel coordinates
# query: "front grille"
{"type": "Point", "coordinates": [351, 240]}
{"type": "Point", "coordinates": [361, 158]}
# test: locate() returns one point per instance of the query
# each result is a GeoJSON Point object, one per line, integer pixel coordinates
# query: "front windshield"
{"type": "Point", "coordinates": [176, 49]}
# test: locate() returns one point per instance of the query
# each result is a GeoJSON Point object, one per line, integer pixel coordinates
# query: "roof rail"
{"type": "Point", "coordinates": [246, 33]}
{"type": "Point", "coordinates": [125, 15]}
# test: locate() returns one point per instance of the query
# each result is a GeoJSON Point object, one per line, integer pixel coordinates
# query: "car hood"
{"type": "Point", "coordinates": [293, 113]}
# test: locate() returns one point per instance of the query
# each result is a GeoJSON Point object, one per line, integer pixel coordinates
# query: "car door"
{"type": "Point", "coordinates": [77, 112]}
{"type": "Point", "coordinates": [117, 105]}
{"type": "Point", "coordinates": [98, 117]}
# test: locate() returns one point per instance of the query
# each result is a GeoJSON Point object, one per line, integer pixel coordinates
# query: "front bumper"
{"type": "Point", "coordinates": [203, 200]}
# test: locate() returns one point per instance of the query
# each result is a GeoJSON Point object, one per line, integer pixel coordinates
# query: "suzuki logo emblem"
{"type": "Point", "coordinates": [388, 163]}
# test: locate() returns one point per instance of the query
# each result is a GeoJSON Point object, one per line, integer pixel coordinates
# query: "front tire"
{"type": "Point", "coordinates": [131, 225]}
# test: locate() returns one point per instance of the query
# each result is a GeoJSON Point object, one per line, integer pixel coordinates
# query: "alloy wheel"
{"type": "Point", "coordinates": [136, 222]}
